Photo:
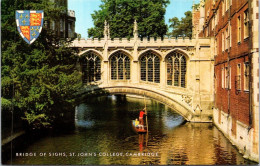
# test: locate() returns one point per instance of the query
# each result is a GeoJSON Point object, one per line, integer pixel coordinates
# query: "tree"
{"type": "Point", "coordinates": [121, 14]}
{"type": "Point", "coordinates": [38, 78]}
{"type": "Point", "coordinates": [181, 27]}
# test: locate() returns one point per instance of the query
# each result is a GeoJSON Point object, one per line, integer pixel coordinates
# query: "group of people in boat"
{"type": "Point", "coordinates": [140, 123]}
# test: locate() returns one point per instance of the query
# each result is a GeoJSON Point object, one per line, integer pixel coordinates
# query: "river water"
{"type": "Point", "coordinates": [104, 135]}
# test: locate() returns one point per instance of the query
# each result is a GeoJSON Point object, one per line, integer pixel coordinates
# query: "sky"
{"type": "Point", "coordinates": [84, 8]}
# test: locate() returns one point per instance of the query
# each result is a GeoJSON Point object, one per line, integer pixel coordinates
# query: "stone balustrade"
{"type": "Point", "coordinates": [145, 42]}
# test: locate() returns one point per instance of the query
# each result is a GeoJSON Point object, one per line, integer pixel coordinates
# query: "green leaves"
{"type": "Point", "coordinates": [120, 14]}
{"type": "Point", "coordinates": [36, 77]}
{"type": "Point", "coordinates": [181, 27]}
{"type": "Point", "coordinates": [6, 104]}
{"type": "Point", "coordinates": [37, 121]}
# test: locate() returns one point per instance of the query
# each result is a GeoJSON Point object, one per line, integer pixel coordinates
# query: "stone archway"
{"type": "Point", "coordinates": [164, 98]}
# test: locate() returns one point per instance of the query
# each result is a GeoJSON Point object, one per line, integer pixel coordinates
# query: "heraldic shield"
{"type": "Point", "coordinates": [29, 24]}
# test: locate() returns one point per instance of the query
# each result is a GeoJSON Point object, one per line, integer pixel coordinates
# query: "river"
{"type": "Point", "coordinates": [104, 135]}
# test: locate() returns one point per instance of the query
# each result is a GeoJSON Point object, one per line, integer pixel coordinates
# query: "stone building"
{"type": "Point", "coordinates": [177, 72]}
{"type": "Point", "coordinates": [65, 26]}
{"type": "Point", "coordinates": [233, 25]}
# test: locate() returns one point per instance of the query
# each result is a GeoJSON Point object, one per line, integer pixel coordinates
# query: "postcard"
{"type": "Point", "coordinates": [129, 82]}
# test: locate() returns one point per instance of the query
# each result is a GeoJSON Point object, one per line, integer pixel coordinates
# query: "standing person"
{"type": "Point", "coordinates": [141, 118]}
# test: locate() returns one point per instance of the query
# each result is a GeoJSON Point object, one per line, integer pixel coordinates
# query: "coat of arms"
{"type": "Point", "coordinates": [29, 24]}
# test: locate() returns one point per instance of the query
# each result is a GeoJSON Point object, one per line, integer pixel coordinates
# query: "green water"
{"type": "Point", "coordinates": [104, 135]}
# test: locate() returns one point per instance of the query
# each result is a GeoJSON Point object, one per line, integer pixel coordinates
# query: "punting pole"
{"type": "Point", "coordinates": [146, 121]}
{"type": "Point", "coordinates": [146, 113]}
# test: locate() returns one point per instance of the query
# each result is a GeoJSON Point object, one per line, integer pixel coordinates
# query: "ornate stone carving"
{"type": "Point", "coordinates": [202, 3]}
{"type": "Point", "coordinates": [108, 31]}
{"type": "Point", "coordinates": [187, 99]}
{"type": "Point", "coordinates": [163, 50]}
{"type": "Point", "coordinates": [105, 28]}
{"type": "Point", "coordinates": [135, 26]}
{"type": "Point", "coordinates": [135, 32]}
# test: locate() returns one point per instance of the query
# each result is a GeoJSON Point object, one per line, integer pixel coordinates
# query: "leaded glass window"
{"type": "Point", "coordinates": [150, 67]}
{"type": "Point", "coordinates": [176, 69]}
{"type": "Point", "coordinates": [91, 67]}
{"type": "Point", "coordinates": [120, 66]}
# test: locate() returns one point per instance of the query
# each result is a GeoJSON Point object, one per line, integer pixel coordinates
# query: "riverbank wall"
{"type": "Point", "coordinates": [15, 142]}
{"type": "Point", "coordinates": [239, 134]}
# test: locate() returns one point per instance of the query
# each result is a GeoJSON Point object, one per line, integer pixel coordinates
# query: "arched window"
{"type": "Point", "coordinates": [91, 64]}
{"type": "Point", "coordinates": [120, 66]}
{"type": "Point", "coordinates": [150, 67]}
{"type": "Point", "coordinates": [176, 69]}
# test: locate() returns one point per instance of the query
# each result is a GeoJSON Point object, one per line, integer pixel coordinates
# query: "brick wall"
{"type": "Point", "coordinates": [195, 21]}
{"type": "Point", "coordinates": [217, 16]}
{"type": "Point", "coordinates": [233, 105]}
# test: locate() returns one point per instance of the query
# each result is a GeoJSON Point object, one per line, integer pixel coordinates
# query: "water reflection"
{"type": "Point", "coordinates": [104, 135]}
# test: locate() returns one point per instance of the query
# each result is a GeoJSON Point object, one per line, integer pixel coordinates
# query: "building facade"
{"type": "Point", "coordinates": [64, 27]}
{"type": "Point", "coordinates": [233, 25]}
{"type": "Point", "coordinates": [175, 71]}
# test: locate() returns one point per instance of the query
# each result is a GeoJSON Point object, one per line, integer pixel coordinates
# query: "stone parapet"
{"type": "Point", "coordinates": [152, 42]}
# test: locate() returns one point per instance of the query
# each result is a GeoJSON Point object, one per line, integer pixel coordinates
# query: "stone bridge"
{"type": "Point", "coordinates": [176, 72]}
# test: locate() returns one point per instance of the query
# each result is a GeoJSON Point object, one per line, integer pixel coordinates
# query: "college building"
{"type": "Point", "coordinates": [233, 25]}
{"type": "Point", "coordinates": [64, 26]}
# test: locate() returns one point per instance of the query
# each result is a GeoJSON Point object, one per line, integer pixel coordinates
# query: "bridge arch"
{"type": "Point", "coordinates": [158, 53]}
{"type": "Point", "coordinates": [184, 52]}
{"type": "Point", "coordinates": [128, 53]}
{"type": "Point", "coordinates": [93, 50]}
{"type": "Point", "coordinates": [166, 99]}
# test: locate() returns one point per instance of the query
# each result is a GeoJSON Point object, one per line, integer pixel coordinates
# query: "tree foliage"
{"type": "Point", "coordinates": [120, 14]}
{"type": "Point", "coordinates": [181, 27]}
{"type": "Point", "coordinates": [36, 78]}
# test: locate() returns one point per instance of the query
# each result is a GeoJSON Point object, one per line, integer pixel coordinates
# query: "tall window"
{"type": "Point", "coordinates": [222, 77]}
{"type": "Point", "coordinates": [246, 24]}
{"type": "Point", "coordinates": [238, 77]}
{"type": "Point", "coordinates": [223, 41]}
{"type": "Point", "coordinates": [238, 29]}
{"type": "Point", "coordinates": [230, 35]}
{"type": "Point", "coordinates": [226, 77]}
{"type": "Point", "coordinates": [91, 67]}
{"type": "Point", "coordinates": [217, 18]}
{"type": "Point", "coordinates": [227, 39]}
{"type": "Point", "coordinates": [52, 25]}
{"type": "Point", "coordinates": [226, 4]}
{"type": "Point", "coordinates": [216, 46]}
{"type": "Point", "coordinates": [223, 8]}
{"type": "Point", "coordinates": [176, 69]}
{"type": "Point", "coordinates": [150, 67]}
{"type": "Point", "coordinates": [120, 66]}
{"type": "Point", "coordinates": [61, 25]}
{"type": "Point", "coordinates": [69, 27]}
{"type": "Point", "coordinates": [230, 77]}
{"type": "Point", "coordinates": [246, 76]}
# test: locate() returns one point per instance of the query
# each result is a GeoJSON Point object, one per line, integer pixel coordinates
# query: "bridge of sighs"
{"type": "Point", "coordinates": [175, 71]}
